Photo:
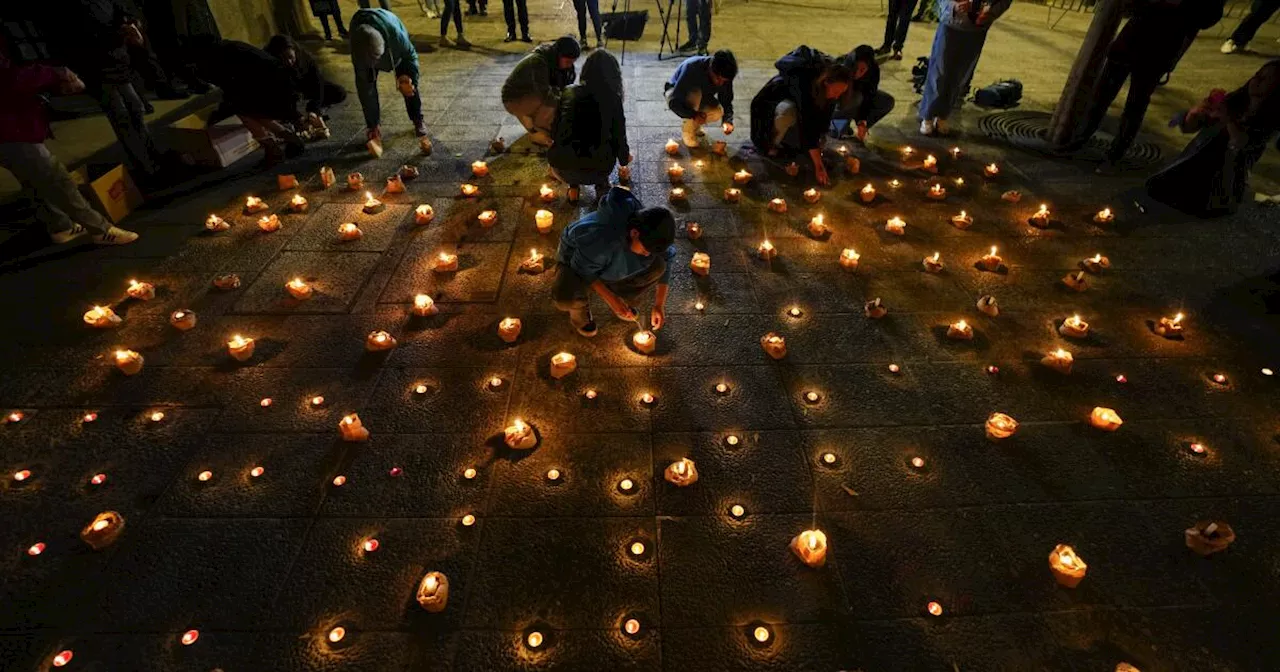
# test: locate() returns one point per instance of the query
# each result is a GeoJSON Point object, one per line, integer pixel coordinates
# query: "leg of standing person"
{"type": "Point", "coordinates": [385, 4]}
{"type": "Point", "coordinates": [1141, 86]}
{"type": "Point", "coordinates": [509, 16]}
{"type": "Point", "coordinates": [1259, 13]}
{"type": "Point", "coordinates": [125, 113]}
{"type": "Point", "coordinates": [691, 23]}
{"type": "Point", "coordinates": [580, 8]}
{"type": "Point", "coordinates": [704, 27]}
{"type": "Point", "coordinates": [522, 11]}
{"type": "Point", "coordinates": [932, 80]}
{"type": "Point", "coordinates": [904, 24]}
{"type": "Point", "coordinates": [1108, 86]}
{"type": "Point", "coordinates": [890, 25]}
{"type": "Point", "coordinates": [593, 7]}
{"type": "Point", "coordinates": [324, 23]}
{"type": "Point", "coordinates": [61, 208]}
{"type": "Point", "coordinates": [413, 107]}
{"type": "Point", "coordinates": [337, 20]}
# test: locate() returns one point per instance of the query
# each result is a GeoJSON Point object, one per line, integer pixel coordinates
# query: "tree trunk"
{"type": "Point", "coordinates": [1073, 104]}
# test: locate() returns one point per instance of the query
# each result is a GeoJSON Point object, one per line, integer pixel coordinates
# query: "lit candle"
{"type": "Point", "coordinates": [683, 472]}
{"type": "Point", "coordinates": [777, 205]}
{"type": "Point", "coordinates": [1207, 537]}
{"type": "Point", "coordinates": [142, 291]}
{"type": "Point", "coordinates": [433, 592]}
{"type": "Point", "coordinates": [22, 474]}
{"type": "Point", "coordinates": [101, 317]}
{"type": "Point", "coordinates": [647, 399]}
{"type": "Point", "coordinates": [818, 227]}
{"type": "Point", "coordinates": [182, 320]}
{"type": "Point", "coordinates": [767, 250]}
{"type": "Point", "coordinates": [962, 221]}
{"type": "Point", "coordinates": [1104, 216]}
{"type": "Point", "coordinates": [675, 172]}
{"type": "Point", "coordinates": [774, 345]}
{"type": "Point", "coordinates": [868, 193]}
{"type": "Point", "coordinates": [624, 174]}
{"type": "Point", "coordinates": [327, 178]}
{"type": "Point", "coordinates": [534, 263]}
{"type": "Point", "coordinates": [1011, 196]}
{"type": "Point", "coordinates": [298, 289]}
{"type": "Point", "coordinates": [394, 185]}
{"type": "Point", "coordinates": [811, 547]}
{"type": "Point", "coordinates": [960, 331]}
{"type": "Point", "coordinates": [699, 305]}
{"type": "Point", "coordinates": [792, 169]}
{"type": "Point", "coordinates": [553, 475]}
{"type": "Point", "coordinates": [1040, 218]}
{"type": "Point", "coordinates": [742, 177]}
{"type": "Point", "coordinates": [1095, 264]}
{"type": "Point", "coordinates": [226, 281]}
{"type": "Point", "coordinates": [128, 361]}
{"type": "Point", "coordinates": [409, 172]}
{"type": "Point", "coordinates": [1067, 567]}
{"type": "Point", "coordinates": [156, 416]}
{"type": "Point", "coordinates": [253, 204]}
{"type": "Point", "coordinates": [470, 190]}
{"type": "Point", "coordinates": [699, 164]}
{"type": "Point", "coordinates": [875, 308]}
{"type": "Point", "coordinates": [678, 194]}
{"type": "Point", "coordinates": [590, 394]}
{"type": "Point", "coordinates": [103, 530]}
{"type": "Point", "coordinates": [298, 203]}
{"type": "Point", "coordinates": [795, 311]}
{"type": "Point", "coordinates": [894, 184]}
{"type": "Point", "coordinates": [1170, 327]}
{"type": "Point", "coordinates": [849, 259]}
{"type": "Point", "coordinates": [519, 436]}
{"type": "Point", "coordinates": [63, 657]}
{"type": "Point", "coordinates": [907, 151]}
{"type": "Point", "coordinates": [737, 511]}
{"type": "Point", "coordinates": [1074, 327]}
{"type": "Point", "coordinates": [934, 263]}
{"type": "Point", "coordinates": [337, 634]}
{"type": "Point", "coordinates": [445, 263]}
{"type": "Point", "coordinates": [1076, 281]}
{"type": "Point", "coordinates": [1105, 419]}
{"type": "Point", "coordinates": [423, 215]}
{"type": "Point", "coordinates": [543, 219]}
{"type": "Point", "coordinates": [991, 170]}
{"type": "Point", "coordinates": [1059, 360]}
{"type": "Point", "coordinates": [1001, 426]}
{"type": "Point", "coordinates": [936, 192]}
{"type": "Point", "coordinates": [761, 634]}
{"type": "Point", "coordinates": [991, 261]}
{"type": "Point", "coordinates": [896, 226]}
{"type": "Point", "coordinates": [352, 430]}
{"type": "Point", "coordinates": [269, 223]}
{"type": "Point", "coordinates": [693, 230]}
{"type": "Point", "coordinates": [672, 147]}
{"type": "Point", "coordinates": [700, 264]}
{"type": "Point", "coordinates": [987, 305]}
{"type": "Point", "coordinates": [563, 364]}
{"type": "Point", "coordinates": [955, 152]}
{"type": "Point", "coordinates": [487, 218]}
{"type": "Point", "coordinates": [371, 205]}
{"type": "Point", "coordinates": [959, 182]}
{"type": "Point", "coordinates": [468, 520]}
{"type": "Point", "coordinates": [379, 341]}
{"type": "Point", "coordinates": [495, 382]}
{"type": "Point", "coordinates": [215, 223]}
{"type": "Point", "coordinates": [645, 341]}
{"type": "Point", "coordinates": [339, 481]}
{"type": "Point", "coordinates": [930, 163]}
{"type": "Point", "coordinates": [479, 168]}
{"type": "Point", "coordinates": [722, 388]}
{"type": "Point", "coordinates": [189, 637]}
{"type": "Point", "coordinates": [732, 195]}
{"type": "Point", "coordinates": [533, 640]}
{"type": "Point", "coordinates": [509, 329]}
{"type": "Point", "coordinates": [36, 549]}
{"type": "Point", "coordinates": [355, 181]}
{"type": "Point", "coordinates": [240, 348]}
{"type": "Point", "coordinates": [546, 193]}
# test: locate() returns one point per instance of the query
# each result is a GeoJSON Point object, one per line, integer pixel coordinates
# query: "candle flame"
{"type": "Point", "coordinates": [432, 584]}
{"type": "Point", "coordinates": [100, 525]}
{"type": "Point", "coordinates": [1097, 258]}
{"type": "Point", "coordinates": [1061, 354]}
{"type": "Point", "coordinates": [962, 325]}
{"type": "Point", "coordinates": [680, 467]}
{"type": "Point", "coordinates": [850, 253]}
{"type": "Point", "coordinates": [422, 301]}
{"type": "Point", "coordinates": [993, 250]}
{"type": "Point", "coordinates": [868, 189]}
{"type": "Point", "coordinates": [1177, 318]}
{"type": "Point", "coordinates": [936, 256]}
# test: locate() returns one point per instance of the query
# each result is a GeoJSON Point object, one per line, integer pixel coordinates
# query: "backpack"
{"type": "Point", "coordinates": [919, 73]}
{"type": "Point", "coordinates": [1002, 94]}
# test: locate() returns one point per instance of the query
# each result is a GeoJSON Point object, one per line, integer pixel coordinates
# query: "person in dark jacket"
{"type": "Point", "coordinates": [24, 126]}
{"type": "Point", "coordinates": [323, 9]}
{"type": "Point", "coordinates": [793, 110]}
{"type": "Point", "coordinates": [1145, 50]}
{"type": "Point", "coordinates": [701, 92]}
{"type": "Point", "coordinates": [532, 91]}
{"type": "Point", "coordinates": [319, 92]}
{"type": "Point", "coordinates": [619, 251]}
{"type": "Point", "coordinates": [591, 129]}
{"type": "Point", "coordinates": [864, 103]}
{"type": "Point", "coordinates": [265, 102]}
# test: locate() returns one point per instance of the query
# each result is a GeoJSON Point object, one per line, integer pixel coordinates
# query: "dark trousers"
{"type": "Point", "coordinates": [124, 109]}
{"type": "Point", "coordinates": [881, 105]}
{"type": "Point", "coordinates": [337, 20]}
{"type": "Point", "coordinates": [583, 7]}
{"type": "Point", "coordinates": [452, 9]}
{"type": "Point", "coordinates": [569, 292]}
{"type": "Point", "coordinates": [412, 104]}
{"type": "Point", "coordinates": [471, 6]}
{"type": "Point", "coordinates": [509, 9]}
{"type": "Point", "coordinates": [897, 23]}
{"type": "Point", "coordinates": [1259, 14]}
{"type": "Point", "coordinates": [332, 95]}
{"type": "Point", "coordinates": [697, 16]}
{"type": "Point", "coordinates": [1142, 83]}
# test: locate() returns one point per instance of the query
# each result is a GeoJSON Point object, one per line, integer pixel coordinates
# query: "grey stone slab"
{"type": "Point", "coordinates": [688, 398]}
{"type": "Point", "coordinates": [320, 232]}
{"type": "Point", "coordinates": [794, 646]}
{"type": "Point", "coordinates": [766, 472]}
{"type": "Point", "coordinates": [590, 468]}
{"type": "Point", "coordinates": [854, 395]}
{"type": "Point", "coordinates": [363, 651]}
{"type": "Point", "coordinates": [292, 392]}
{"type": "Point", "coordinates": [714, 339]}
{"type": "Point", "coordinates": [559, 407]}
{"type": "Point", "coordinates": [430, 482]}
{"type": "Point", "coordinates": [454, 338]}
{"type": "Point", "coordinates": [335, 278]}
{"type": "Point", "coordinates": [452, 400]}
{"type": "Point", "coordinates": [480, 650]}
{"type": "Point", "coordinates": [719, 292]}
{"type": "Point", "coordinates": [478, 278]}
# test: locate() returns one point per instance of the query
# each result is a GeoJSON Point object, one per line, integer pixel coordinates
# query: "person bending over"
{"type": "Point", "coordinates": [701, 92]}
{"type": "Point", "coordinates": [793, 110]}
{"type": "Point", "coordinates": [319, 93]}
{"type": "Point", "coordinates": [620, 252]}
{"type": "Point", "coordinates": [380, 43]}
{"type": "Point", "coordinates": [591, 129]}
{"type": "Point", "coordinates": [532, 91]}
{"type": "Point", "coordinates": [864, 103]}
{"type": "Point", "coordinates": [266, 102]}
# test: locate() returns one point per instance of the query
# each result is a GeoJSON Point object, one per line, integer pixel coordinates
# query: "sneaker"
{"type": "Point", "coordinates": [420, 128]}
{"type": "Point", "coordinates": [64, 237]}
{"type": "Point", "coordinates": [526, 38]}
{"type": "Point", "coordinates": [511, 37]}
{"type": "Point", "coordinates": [688, 46]}
{"type": "Point", "coordinates": [444, 41]}
{"type": "Point", "coordinates": [942, 126]}
{"type": "Point", "coordinates": [462, 43]}
{"type": "Point", "coordinates": [897, 55]}
{"type": "Point", "coordinates": [926, 127]}
{"type": "Point", "coordinates": [689, 133]}
{"type": "Point", "coordinates": [1229, 47]}
{"type": "Point", "coordinates": [115, 236]}
{"type": "Point", "coordinates": [432, 14]}
{"type": "Point", "coordinates": [589, 329]}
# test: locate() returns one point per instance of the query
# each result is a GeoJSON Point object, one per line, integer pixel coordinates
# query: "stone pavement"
{"type": "Point", "coordinates": [265, 566]}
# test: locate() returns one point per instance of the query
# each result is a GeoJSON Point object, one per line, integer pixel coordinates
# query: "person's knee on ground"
{"type": "Point", "coordinates": [784, 118]}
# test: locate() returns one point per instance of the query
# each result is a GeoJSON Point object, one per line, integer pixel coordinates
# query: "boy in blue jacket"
{"type": "Point", "coordinates": [380, 42]}
{"type": "Point", "coordinates": [619, 251]}
{"type": "Point", "coordinates": [701, 92]}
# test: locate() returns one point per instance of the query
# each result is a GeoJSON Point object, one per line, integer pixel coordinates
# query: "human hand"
{"type": "Point", "coordinates": [375, 133]}
{"type": "Point", "coordinates": [962, 6]}
{"type": "Point", "coordinates": [861, 130]}
{"type": "Point", "coordinates": [820, 171]}
{"type": "Point", "coordinates": [622, 310]}
{"type": "Point", "coordinates": [71, 82]}
{"type": "Point", "coordinates": [406, 85]}
{"type": "Point", "coordinates": [700, 117]}
{"type": "Point", "coordinates": [658, 317]}
{"type": "Point", "coordinates": [727, 128]}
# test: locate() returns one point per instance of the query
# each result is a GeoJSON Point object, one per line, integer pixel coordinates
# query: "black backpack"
{"type": "Point", "coordinates": [1002, 94]}
{"type": "Point", "coordinates": [919, 73]}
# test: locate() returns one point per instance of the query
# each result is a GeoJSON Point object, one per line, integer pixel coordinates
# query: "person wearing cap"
{"type": "Point", "coordinates": [701, 92]}
{"type": "Point", "coordinates": [864, 103]}
{"type": "Point", "coordinates": [619, 251]}
{"type": "Point", "coordinates": [532, 91]}
{"type": "Point", "coordinates": [380, 42]}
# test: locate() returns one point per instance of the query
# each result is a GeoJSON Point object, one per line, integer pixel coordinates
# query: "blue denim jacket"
{"type": "Point", "coordinates": [596, 246]}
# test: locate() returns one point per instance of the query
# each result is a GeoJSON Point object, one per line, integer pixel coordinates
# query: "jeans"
{"type": "Point", "coordinates": [125, 112]}
{"type": "Point", "coordinates": [1141, 85]}
{"type": "Point", "coordinates": [452, 9]}
{"type": "Point", "coordinates": [59, 204]}
{"type": "Point", "coordinates": [569, 290]}
{"type": "Point", "coordinates": [897, 23]}
{"type": "Point", "coordinates": [582, 7]}
{"type": "Point", "coordinates": [1259, 14]}
{"type": "Point", "coordinates": [337, 20]}
{"type": "Point", "coordinates": [509, 9]}
{"type": "Point", "coordinates": [697, 17]}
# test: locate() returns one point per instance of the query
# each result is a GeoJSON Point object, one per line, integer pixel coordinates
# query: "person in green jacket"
{"type": "Point", "coordinates": [591, 129]}
{"type": "Point", "coordinates": [380, 42]}
{"type": "Point", "coordinates": [532, 90]}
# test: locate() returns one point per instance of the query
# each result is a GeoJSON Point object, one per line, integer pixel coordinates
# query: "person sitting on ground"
{"type": "Point", "coordinates": [532, 91]}
{"type": "Point", "coordinates": [864, 103]}
{"type": "Point", "coordinates": [591, 129]}
{"type": "Point", "coordinates": [1211, 176]}
{"type": "Point", "coordinates": [380, 43]}
{"type": "Point", "coordinates": [267, 102]}
{"type": "Point", "coordinates": [24, 126]}
{"type": "Point", "coordinates": [793, 110]}
{"type": "Point", "coordinates": [619, 251]}
{"type": "Point", "coordinates": [319, 93]}
{"type": "Point", "coordinates": [701, 92]}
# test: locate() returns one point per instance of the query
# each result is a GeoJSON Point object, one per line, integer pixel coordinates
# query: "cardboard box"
{"type": "Point", "coordinates": [201, 143]}
{"type": "Point", "coordinates": [112, 193]}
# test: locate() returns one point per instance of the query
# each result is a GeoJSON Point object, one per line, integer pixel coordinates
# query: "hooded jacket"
{"type": "Point", "coordinates": [867, 86]}
{"type": "Point", "coordinates": [538, 74]}
{"type": "Point", "coordinates": [797, 73]}
{"type": "Point", "coordinates": [590, 132]}
{"type": "Point", "coordinates": [596, 246]}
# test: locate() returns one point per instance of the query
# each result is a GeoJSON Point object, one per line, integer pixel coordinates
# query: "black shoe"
{"type": "Point", "coordinates": [589, 329]}
{"type": "Point", "coordinates": [526, 38]}
{"type": "Point", "coordinates": [420, 128]}
{"type": "Point", "coordinates": [511, 37]}
{"type": "Point", "coordinates": [688, 46]}
{"type": "Point", "coordinates": [883, 49]}
{"type": "Point", "coordinates": [148, 107]}
{"type": "Point", "coordinates": [1164, 80]}
{"type": "Point", "coordinates": [472, 12]}
{"type": "Point", "coordinates": [484, 12]}
{"type": "Point", "coordinates": [897, 55]}
{"type": "Point", "coordinates": [702, 50]}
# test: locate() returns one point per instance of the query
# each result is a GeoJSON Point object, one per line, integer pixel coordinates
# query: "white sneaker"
{"type": "Point", "coordinates": [64, 237]}
{"type": "Point", "coordinates": [1229, 47]}
{"type": "Point", "coordinates": [926, 127]}
{"type": "Point", "coordinates": [689, 133]}
{"type": "Point", "coordinates": [115, 236]}
{"type": "Point", "coordinates": [432, 14]}
{"type": "Point", "coordinates": [942, 126]}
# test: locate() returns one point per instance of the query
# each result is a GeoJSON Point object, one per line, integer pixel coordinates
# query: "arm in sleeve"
{"type": "Point", "coordinates": [621, 149]}
{"type": "Point", "coordinates": [868, 97]}
{"type": "Point", "coordinates": [679, 99]}
{"type": "Point", "coordinates": [726, 102]}
{"type": "Point", "coordinates": [406, 55]}
{"type": "Point", "coordinates": [29, 80]}
{"type": "Point", "coordinates": [367, 91]}
{"type": "Point", "coordinates": [670, 257]}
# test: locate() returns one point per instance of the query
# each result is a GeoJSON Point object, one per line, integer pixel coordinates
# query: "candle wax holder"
{"type": "Point", "coordinates": [987, 306]}
{"type": "Point", "coordinates": [1076, 281]}
{"type": "Point", "coordinates": [1105, 419]}
{"type": "Point", "coordinates": [379, 341]}
{"type": "Point", "coordinates": [774, 345]}
{"type": "Point", "coordinates": [352, 430]}
{"type": "Point", "coordinates": [327, 178]}
{"type": "Point", "coordinates": [810, 546]}
{"type": "Point", "coordinates": [394, 185]}
{"type": "Point", "coordinates": [355, 181]}
{"type": "Point", "coordinates": [1207, 537]}
{"type": "Point", "coordinates": [215, 223]}
{"type": "Point", "coordinates": [1000, 426]}
{"type": "Point", "coordinates": [423, 215]}
{"type": "Point", "coordinates": [681, 473]}
{"type": "Point", "coordinates": [1074, 327]}
{"type": "Point", "coordinates": [700, 264]}
{"type": "Point", "coordinates": [1059, 360]}
{"type": "Point", "coordinates": [849, 259]}
{"type": "Point", "coordinates": [433, 592]}
{"type": "Point", "coordinates": [960, 331]}
{"type": "Point", "coordinates": [102, 317]}
{"type": "Point", "coordinates": [933, 264]}
{"type": "Point", "coordinates": [103, 530]}
{"type": "Point", "coordinates": [269, 224]}
{"type": "Point", "coordinates": [732, 195]}
{"type": "Point", "coordinates": [519, 436]}
{"type": "Point", "coordinates": [182, 320]}
{"type": "Point", "coordinates": [563, 364]}
{"type": "Point", "coordinates": [1011, 196]}
{"type": "Point", "coordinates": [509, 329]}
{"type": "Point", "coordinates": [1067, 567]}
{"type": "Point", "coordinates": [875, 308]}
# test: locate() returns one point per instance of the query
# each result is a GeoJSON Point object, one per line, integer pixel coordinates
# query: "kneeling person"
{"type": "Point", "coordinates": [533, 89]}
{"type": "Point", "coordinates": [619, 251]}
{"type": "Point", "coordinates": [864, 103]}
{"type": "Point", "coordinates": [701, 92]}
